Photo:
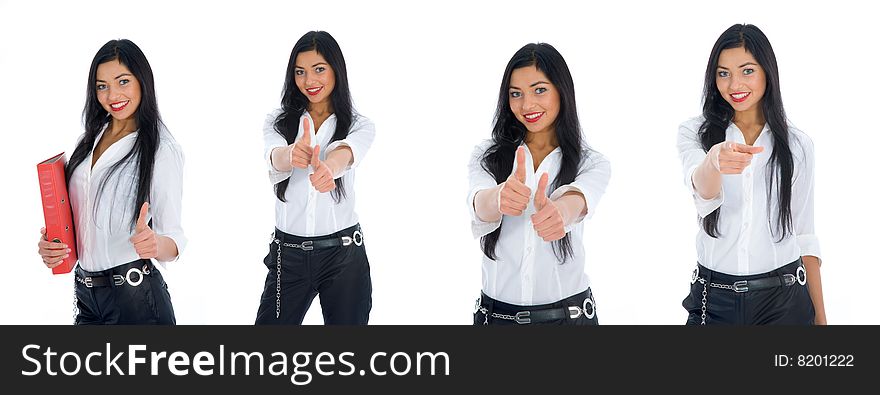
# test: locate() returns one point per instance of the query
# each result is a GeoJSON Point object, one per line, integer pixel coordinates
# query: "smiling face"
{"type": "Point", "coordinates": [117, 89]}
{"type": "Point", "coordinates": [533, 99]}
{"type": "Point", "coordinates": [740, 79]}
{"type": "Point", "coordinates": [314, 77]}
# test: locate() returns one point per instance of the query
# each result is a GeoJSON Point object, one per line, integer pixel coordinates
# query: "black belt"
{"type": "Point", "coordinates": [758, 284]}
{"type": "Point", "coordinates": [522, 317]}
{"type": "Point", "coordinates": [133, 276]}
{"type": "Point", "coordinates": [356, 238]}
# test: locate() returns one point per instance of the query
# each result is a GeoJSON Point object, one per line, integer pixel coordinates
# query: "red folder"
{"type": "Point", "coordinates": [56, 208]}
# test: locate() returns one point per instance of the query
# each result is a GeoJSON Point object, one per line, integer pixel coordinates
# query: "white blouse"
{"type": "Point", "coordinates": [527, 272]}
{"type": "Point", "coordinates": [103, 232]}
{"type": "Point", "coordinates": [308, 212]}
{"type": "Point", "coordinates": [747, 242]}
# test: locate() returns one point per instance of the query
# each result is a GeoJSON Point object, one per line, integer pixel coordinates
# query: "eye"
{"type": "Point", "coordinates": [124, 82]}
{"type": "Point", "coordinates": [723, 73]}
{"type": "Point", "coordinates": [320, 69]}
{"type": "Point", "coordinates": [748, 71]}
{"type": "Point", "coordinates": [299, 72]}
{"type": "Point", "coordinates": [540, 90]}
{"type": "Point", "coordinates": [101, 87]}
{"type": "Point", "coordinates": [515, 94]}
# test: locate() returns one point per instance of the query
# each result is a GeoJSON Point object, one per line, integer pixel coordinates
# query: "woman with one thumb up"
{"type": "Point", "coordinates": [531, 186]}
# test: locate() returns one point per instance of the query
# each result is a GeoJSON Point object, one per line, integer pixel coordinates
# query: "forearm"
{"type": "Point", "coordinates": [814, 285]}
{"type": "Point", "coordinates": [572, 205]}
{"type": "Point", "coordinates": [707, 178]}
{"type": "Point", "coordinates": [486, 204]}
{"type": "Point", "coordinates": [167, 248]}
{"type": "Point", "coordinates": [281, 158]}
{"type": "Point", "coordinates": [339, 159]}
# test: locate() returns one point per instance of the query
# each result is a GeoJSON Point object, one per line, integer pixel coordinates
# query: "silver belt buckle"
{"type": "Point", "coordinates": [592, 311]}
{"type": "Point", "coordinates": [357, 238]}
{"type": "Point", "coordinates": [118, 279]}
{"type": "Point", "coordinates": [574, 312]}
{"type": "Point", "coordinates": [140, 277]}
{"type": "Point", "coordinates": [87, 282]}
{"type": "Point", "coordinates": [306, 246]}
{"type": "Point", "coordinates": [801, 275]}
{"type": "Point", "coordinates": [741, 286]}
{"type": "Point", "coordinates": [522, 317]}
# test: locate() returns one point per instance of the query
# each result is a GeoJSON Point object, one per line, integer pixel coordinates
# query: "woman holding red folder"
{"type": "Point", "coordinates": [125, 184]}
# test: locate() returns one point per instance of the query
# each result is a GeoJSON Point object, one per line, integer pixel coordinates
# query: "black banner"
{"type": "Point", "coordinates": [318, 359]}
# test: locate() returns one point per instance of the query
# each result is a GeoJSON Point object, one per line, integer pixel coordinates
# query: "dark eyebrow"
{"type": "Point", "coordinates": [532, 85]}
{"type": "Point", "coordinates": [747, 64]}
{"type": "Point", "coordinates": [117, 77]}
{"type": "Point", "coordinates": [320, 63]}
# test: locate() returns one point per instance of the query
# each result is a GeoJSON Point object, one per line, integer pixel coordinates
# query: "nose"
{"type": "Point", "coordinates": [528, 102]}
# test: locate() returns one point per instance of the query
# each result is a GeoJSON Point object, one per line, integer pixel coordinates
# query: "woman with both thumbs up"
{"type": "Point", "coordinates": [532, 235]}
{"type": "Point", "coordinates": [125, 180]}
{"type": "Point", "coordinates": [313, 144]}
{"type": "Point", "coordinates": [751, 175]}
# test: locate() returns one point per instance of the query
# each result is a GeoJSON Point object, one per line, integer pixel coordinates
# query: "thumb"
{"type": "Point", "coordinates": [315, 155]}
{"type": "Point", "coordinates": [520, 172]}
{"type": "Point", "coordinates": [541, 192]}
{"type": "Point", "coordinates": [142, 218]}
{"type": "Point", "coordinates": [307, 132]}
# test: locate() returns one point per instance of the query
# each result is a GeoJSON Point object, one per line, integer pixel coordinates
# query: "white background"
{"type": "Point", "coordinates": [428, 75]}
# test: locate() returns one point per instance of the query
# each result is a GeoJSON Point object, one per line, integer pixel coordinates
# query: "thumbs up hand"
{"type": "Point", "coordinates": [732, 158]}
{"type": "Point", "coordinates": [548, 222]}
{"type": "Point", "coordinates": [513, 199]}
{"type": "Point", "coordinates": [145, 242]}
{"type": "Point", "coordinates": [322, 176]}
{"type": "Point", "coordinates": [301, 151]}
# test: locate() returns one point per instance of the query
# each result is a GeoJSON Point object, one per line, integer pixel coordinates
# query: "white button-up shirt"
{"type": "Point", "coordinates": [103, 232]}
{"type": "Point", "coordinates": [308, 212]}
{"type": "Point", "coordinates": [527, 272]}
{"type": "Point", "coordinates": [747, 241]}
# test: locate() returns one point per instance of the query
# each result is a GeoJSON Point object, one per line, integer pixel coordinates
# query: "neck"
{"type": "Point", "coordinates": [750, 123]}
{"type": "Point", "coordinates": [320, 109]}
{"type": "Point", "coordinates": [542, 140]}
{"type": "Point", "coordinates": [751, 117]}
{"type": "Point", "coordinates": [122, 127]}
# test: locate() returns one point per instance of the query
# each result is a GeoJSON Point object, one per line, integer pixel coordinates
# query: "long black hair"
{"type": "Point", "coordinates": [719, 114]}
{"type": "Point", "coordinates": [149, 123]}
{"type": "Point", "coordinates": [294, 103]}
{"type": "Point", "coordinates": [508, 133]}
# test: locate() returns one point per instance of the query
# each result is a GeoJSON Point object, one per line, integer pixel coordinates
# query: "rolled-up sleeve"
{"type": "Point", "coordinates": [360, 138]}
{"type": "Point", "coordinates": [691, 154]}
{"type": "Point", "coordinates": [802, 200]}
{"type": "Point", "coordinates": [271, 140]}
{"type": "Point", "coordinates": [591, 181]}
{"type": "Point", "coordinates": [479, 179]}
{"type": "Point", "coordinates": [166, 194]}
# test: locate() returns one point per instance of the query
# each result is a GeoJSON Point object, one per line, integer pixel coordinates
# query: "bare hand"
{"type": "Point", "coordinates": [514, 196]}
{"type": "Point", "coordinates": [322, 178]}
{"type": "Point", "coordinates": [145, 242]}
{"type": "Point", "coordinates": [548, 220]}
{"type": "Point", "coordinates": [732, 158]}
{"type": "Point", "coordinates": [53, 254]}
{"type": "Point", "coordinates": [301, 151]}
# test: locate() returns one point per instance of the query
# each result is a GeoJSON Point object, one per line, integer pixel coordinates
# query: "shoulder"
{"type": "Point", "coordinates": [168, 146]}
{"type": "Point", "coordinates": [692, 124]}
{"type": "Point", "coordinates": [801, 144]}
{"type": "Point", "coordinates": [360, 121]}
